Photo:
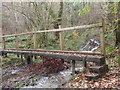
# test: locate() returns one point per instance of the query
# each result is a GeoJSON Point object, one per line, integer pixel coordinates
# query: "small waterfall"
{"type": "Point", "coordinates": [93, 43]}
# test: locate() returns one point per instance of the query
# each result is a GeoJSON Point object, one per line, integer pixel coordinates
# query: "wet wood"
{"type": "Point", "coordinates": [92, 77]}
{"type": "Point", "coordinates": [58, 30]}
{"type": "Point", "coordinates": [61, 39]}
{"type": "Point", "coordinates": [17, 42]}
{"type": "Point", "coordinates": [98, 69]}
{"type": "Point", "coordinates": [28, 59]}
{"type": "Point", "coordinates": [22, 59]}
{"type": "Point", "coordinates": [34, 41]}
{"type": "Point", "coordinates": [60, 55]}
{"type": "Point", "coordinates": [3, 42]}
{"type": "Point", "coordinates": [59, 51]}
{"type": "Point", "coordinates": [73, 67]}
{"type": "Point", "coordinates": [102, 37]}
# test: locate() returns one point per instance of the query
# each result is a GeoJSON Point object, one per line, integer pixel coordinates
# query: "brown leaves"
{"type": "Point", "coordinates": [49, 65]}
{"type": "Point", "coordinates": [110, 80]}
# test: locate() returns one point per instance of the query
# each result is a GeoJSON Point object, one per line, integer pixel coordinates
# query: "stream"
{"type": "Point", "coordinates": [57, 79]}
{"type": "Point", "coordinates": [16, 77]}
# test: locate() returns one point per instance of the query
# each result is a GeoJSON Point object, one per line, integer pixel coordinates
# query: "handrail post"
{"type": "Point", "coordinates": [102, 37]}
{"type": "Point", "coordinates": [4, 45]}
{"type": "Point", "coordinates": [61, 39]}
{"type": "Point", "coordinates": [3, 42]}
{"type": "Point", "coordinates": [34, 41]}
{"type": "Point", "coordinates": [17, 42]}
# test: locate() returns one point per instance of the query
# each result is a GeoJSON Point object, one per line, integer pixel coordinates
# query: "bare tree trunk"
{"type": "Point", "coordinates": [58, 21]}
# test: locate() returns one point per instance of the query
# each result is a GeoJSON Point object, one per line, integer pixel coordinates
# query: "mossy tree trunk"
{"type": "Point", "coordinates": [118, 28]}
{"type": "Point", "coordinates": [58, 20]}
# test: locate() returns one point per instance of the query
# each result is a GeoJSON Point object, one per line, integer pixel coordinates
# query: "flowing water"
{"type": "Point", "coordinates": [57, 79]}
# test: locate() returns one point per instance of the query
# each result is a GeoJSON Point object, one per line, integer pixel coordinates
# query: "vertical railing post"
{"type": "Point", "coordinates": [4, 45]}
{"type": "Point", "coordinates": [102, 37]}
{"type": "Point", "coordinates": [61, 42]}
{"type": "Point", "coordinates": [3, 42]}
{"type": "Point", "coordinates": [17, 43]}
{"type": "Point", "coordinates": [34, 41]}
{"type": "Point", "coordinates": [61, 39]}
{"type": "Point", "coordinates": [73, 67]}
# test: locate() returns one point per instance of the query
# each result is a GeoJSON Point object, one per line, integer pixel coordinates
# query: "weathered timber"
{"type": "Point", "coordinates": [17, 42]}
{"type": "Point", "coordinates": [84, 62]}
{"type": "Point", "coordinates": [3, 54]}
{"type": "Point", "coordinates": [73, 67]}
{"type": "Point", "coordinates": [98, 69]}
{"type": "Point", "coordinates": [99, 60]}
{"type": "Point", "coordinates": [22, 58]}
{"type": "Point", "coordinates": [3, 42]}
{"type": "Point", "coordinates": [28, 59]}
{"type": "Point", "coordinates": [59, 56]}
{"type": "Point", "coordinates": [92, 77]}
{"type": "Point", "coordinates": [34, 41]}
{"type": "Point", "coordinates": [62, 60]}
{"type": "Point", "coordinates": [61, 39]}
{"type": "Point", "coordinates": [58, 30]}
{"type": "Point", "coordinates": [102, 38]}
{"type": "Point", "coordinates": [64, 51]}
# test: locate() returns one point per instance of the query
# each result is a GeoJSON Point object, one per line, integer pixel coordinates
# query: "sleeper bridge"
{"type": "Point", "coordinates": [74, 56]}
{"type": "Point", "coordinates": [100, 67]}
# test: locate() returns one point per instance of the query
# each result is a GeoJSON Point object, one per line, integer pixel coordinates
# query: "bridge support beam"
{"type": "Point", "coordinates": [62, 60]}
{"type": "Point", "coordinates": [28, 59]}
{"type": "Point", "coordinates": [4, 54]}
{"type": "Point", "coordinates": [73, 67]}
{"type": "Point", "coordinates": [22, 58]}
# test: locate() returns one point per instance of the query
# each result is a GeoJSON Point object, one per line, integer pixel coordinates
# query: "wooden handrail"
{"type": "Point", "coordinates": [57, 30]}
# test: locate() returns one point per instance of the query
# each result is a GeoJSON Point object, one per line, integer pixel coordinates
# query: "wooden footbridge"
{"type": "Point", "coordinates": [100, 67]}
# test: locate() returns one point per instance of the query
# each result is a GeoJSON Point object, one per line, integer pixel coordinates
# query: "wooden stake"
{"type": "Point", "coordinates": [103, 38]}
{"type": "Point", "coordinates": [3, 42]}
{"type": "Point", "coordinates": [73, 67]}
{"type": "Point", "coordinates": [34, 41]}
{"type": "Point", "coordinates": [22, 58]}
{"type": "Point", "coordinates": [17, 42]}
{"type": "Point", "coordinates": [61, 39]}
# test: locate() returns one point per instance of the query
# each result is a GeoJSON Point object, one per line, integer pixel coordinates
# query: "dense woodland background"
{"type": "Point", "coordinates": [19, 17]}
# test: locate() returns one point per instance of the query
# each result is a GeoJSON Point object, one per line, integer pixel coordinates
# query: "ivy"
{"type": "Point", "coordinates": [85, 10]}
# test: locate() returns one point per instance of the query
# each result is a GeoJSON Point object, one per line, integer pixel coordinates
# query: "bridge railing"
{"type": "Point", "coordinates": [61, 39]}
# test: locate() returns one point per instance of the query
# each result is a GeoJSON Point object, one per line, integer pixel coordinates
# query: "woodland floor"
{"type": "Point", "coordinates": [110, 80]}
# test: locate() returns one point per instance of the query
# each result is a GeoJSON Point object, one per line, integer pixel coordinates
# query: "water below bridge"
{"type": "Point", "coordinates": [55, 80]}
